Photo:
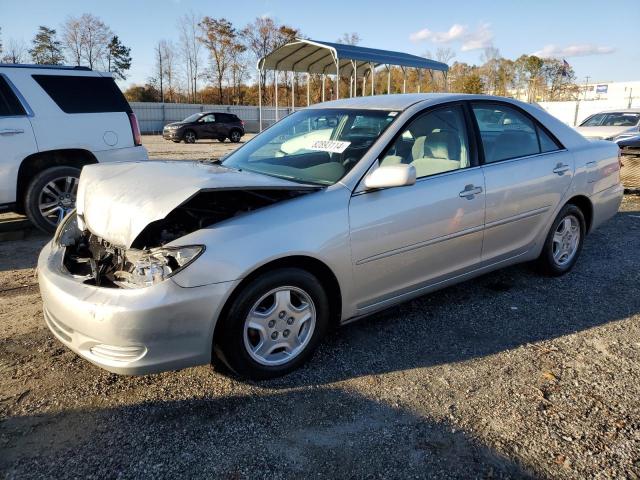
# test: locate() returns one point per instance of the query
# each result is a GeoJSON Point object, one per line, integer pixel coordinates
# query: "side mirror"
{"type": "Point", "coordinates": [399, 175]}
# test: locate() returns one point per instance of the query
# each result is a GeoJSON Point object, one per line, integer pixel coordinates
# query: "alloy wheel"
{"type": "Point", "coordinates": [57, 198]}
{"type": "Point", "coordinates": [566, 240]}
{"type": "Point", "coordinates": [279, 326]}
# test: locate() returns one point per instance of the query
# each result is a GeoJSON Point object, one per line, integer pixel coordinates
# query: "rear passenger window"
{"type": "Point", "coordinates": [506, 133]}
{"type": "Point", "coordinates": [82, 94]}
{"type": "Point", "coordinates": [9, 104]}
{"type": "Point", "coordinates": [547, 144]}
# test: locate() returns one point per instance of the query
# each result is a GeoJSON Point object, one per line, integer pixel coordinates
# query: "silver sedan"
{"type": "Point", "coordinates": [336, 212]}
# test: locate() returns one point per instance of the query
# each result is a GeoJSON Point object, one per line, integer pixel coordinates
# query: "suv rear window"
{"type": "Point", "coordinates": [226, 118]}
{"type": "Point", "coordinates": [9, 103]}
{"type": "Point", "coordinates": [80, 94]}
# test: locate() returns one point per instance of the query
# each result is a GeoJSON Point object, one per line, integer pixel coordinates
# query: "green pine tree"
{"type": "Point", "coordinates": [118, 58]}
{"type": "Point", "coordinates": [46, 47]}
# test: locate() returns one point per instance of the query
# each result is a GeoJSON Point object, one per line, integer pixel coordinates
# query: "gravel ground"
{"type": "Point", "coordinates": [507, 376]}
{"type": "Point", "coordinates": [161, 149]}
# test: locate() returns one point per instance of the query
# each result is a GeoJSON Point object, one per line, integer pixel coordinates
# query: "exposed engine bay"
{"type": "Point", "coordinates": [148, 260]}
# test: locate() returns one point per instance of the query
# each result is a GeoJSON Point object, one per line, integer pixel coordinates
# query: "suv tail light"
{"type": "Point", "coordinates": [242, 122]}
{"type": "Point", "coordinates": [135, 129]}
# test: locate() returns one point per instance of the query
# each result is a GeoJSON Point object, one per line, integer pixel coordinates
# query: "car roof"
{"type": "Point", "coordinates": [402, 101]}
{"type": "Point", "coordinates": [621, 110]}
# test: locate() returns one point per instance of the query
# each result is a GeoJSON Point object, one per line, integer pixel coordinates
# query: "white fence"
{"type": "Point", "coordinates": [573, 113]}
{"type": "Point", "coordinates": [152, 117]}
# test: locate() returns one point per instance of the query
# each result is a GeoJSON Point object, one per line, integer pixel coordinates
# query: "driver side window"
{"type": "Point", "coordinates": [208, 118]}
{"type": "Point", "coordinates": [435, 142]}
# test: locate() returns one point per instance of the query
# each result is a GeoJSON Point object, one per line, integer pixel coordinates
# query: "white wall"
{"type": "Point", "coordinates": [573, 113]}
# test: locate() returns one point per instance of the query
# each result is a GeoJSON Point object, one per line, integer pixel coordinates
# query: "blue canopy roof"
{"type": "Point", "coordinates": [303, 55]}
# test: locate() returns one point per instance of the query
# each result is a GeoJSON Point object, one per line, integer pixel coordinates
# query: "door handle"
{"type": "Point", "coordinates": [469, 191]}
{"type": "Point", "coordinates": [11, 131]}
{"type": "Point", "coordinates": [561, 168]}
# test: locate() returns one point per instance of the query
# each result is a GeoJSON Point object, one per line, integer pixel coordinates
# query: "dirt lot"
{"type": "Point", "coordinates": [507, 376]}
{"type": "Point", "coordinates": [160, 149]}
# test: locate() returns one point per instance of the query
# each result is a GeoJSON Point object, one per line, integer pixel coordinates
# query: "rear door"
{"type": "Point", "coordinates": [16, 140]}
{"type": "Point", "coordinates": [527, 174]}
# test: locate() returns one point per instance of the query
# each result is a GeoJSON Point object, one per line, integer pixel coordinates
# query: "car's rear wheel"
{"type": "Point", "coordinates": [235, 136]}
{"type": "Point", "coordinates": [50, 196]}
{"type": "Point", "coordinates": [189, 136]}
{"type": "Point", "coordinates": [564, 242]}
{"type": "Point", "coordinates": [274, 324]}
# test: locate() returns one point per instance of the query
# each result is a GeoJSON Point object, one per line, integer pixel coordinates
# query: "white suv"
{"type": "Point", "coordinates": [53, 121]}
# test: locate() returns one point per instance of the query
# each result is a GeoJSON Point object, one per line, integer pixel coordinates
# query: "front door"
{"type": "Point", "coordinates": [16, 141]}
{"type": "Point", "coordinates": [407, 238]}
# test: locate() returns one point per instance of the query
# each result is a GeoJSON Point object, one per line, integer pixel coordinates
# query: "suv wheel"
{"type": "Point", "coordinates": [50, 196]}
{"type": "Point", "coordinates": [274, 324]}
{"type": "Point", "coordinates": [235, 136]}
{"type": "Point", "coordinates": [189, 136]}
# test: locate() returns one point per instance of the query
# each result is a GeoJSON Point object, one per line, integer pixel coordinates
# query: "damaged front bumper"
{"type": "Point", "coordinates": [130, 331]}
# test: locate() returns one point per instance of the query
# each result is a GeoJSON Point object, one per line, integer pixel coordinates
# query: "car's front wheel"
{"type": "Point", "coordinates": [50, 196]}
{"type": "Point", "coordinates": [564, 242]}
{"type": "Point", "coordinates": [274, 324]}
{"type": "Point", "coordinates": [189, 136]}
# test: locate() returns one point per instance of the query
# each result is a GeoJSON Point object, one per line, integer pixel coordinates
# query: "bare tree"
{"type": "Point", "coordinates": [445, 55]}
{"type": "Point", "coordinates": [190, 50]}
{"type": "Point", "coordinates": [166, 78]}
{"type": "Point", "coordinates": [350, 38]}
{"type": "Point", "coordinates": [264, 35]}
{"type": "Point", "coordinates": [15, 52]}
{"type": "Point", "coordinates": [220, 38]}
{"type": "Point", "coordinates": [86, 40]}
{"type": "Point", "coordinates": [238, 70]}
{"type": "Point", "coordinates": [72, 40]}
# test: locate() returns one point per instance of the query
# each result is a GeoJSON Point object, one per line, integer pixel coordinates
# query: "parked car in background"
{"type": "Point", "coordinates": [630, 171]}
{"type": "Point", "coordinates": [250, 261]}
{"type": "Point", "coordinates": [213, 125]}
{"type": "Point", "coordinates": [611, 125]}
{"type": "Point", "coordinates": [54, 120]}
{"type": "Point", "coordinates": [630, 146]}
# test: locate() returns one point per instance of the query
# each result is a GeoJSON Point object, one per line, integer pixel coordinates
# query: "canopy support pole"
{"type": "Point", "coordinates": [308, 88]}
{"type": "Point", "coordinates": [323, 76]}
{"type": "Point", "coordinates": [337, 78]}
{"type": "Point", "coordinates": [388, 79]}
{"type": "Point", "coordinates": [293, 91]}
{"type": "Point", "coordinates": [364, 84]}
{"type": "Point", "coordinates": [404, 80]}
{"type": "Point", "coordinates": [260, 100]}
{"type": "Point", "coordinates": [373, 80]}
{"type": "Point", "coordinates": [419, 80]}
{"type": "Point", "coordinates": [275, 97]}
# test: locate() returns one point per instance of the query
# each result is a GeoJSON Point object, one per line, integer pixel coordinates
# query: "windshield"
{"type": "Point", "coordinates": [620, 119]}
{"type": "Point", "coordinates": [313, 146]}
{"type": "Point", "coordinates": [192, 118]}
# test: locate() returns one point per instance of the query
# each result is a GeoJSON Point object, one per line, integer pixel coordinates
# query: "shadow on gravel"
{"type": "Point", "coordinates": [22, 254]}
{"type": "Point", "coordinates": [325, 433]}
{"type": "Point", "coordinates": [493, 313]}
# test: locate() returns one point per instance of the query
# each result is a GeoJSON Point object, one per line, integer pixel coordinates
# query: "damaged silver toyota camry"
{"type": "Point", "coordinates": [336, 212]}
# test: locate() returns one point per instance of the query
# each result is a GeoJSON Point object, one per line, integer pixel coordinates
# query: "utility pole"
{"type": "Point", "coordinates": [586, 82]}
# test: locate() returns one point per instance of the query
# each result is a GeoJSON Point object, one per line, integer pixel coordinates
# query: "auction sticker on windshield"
{"type": "Point", "coordinates": [333, 146]}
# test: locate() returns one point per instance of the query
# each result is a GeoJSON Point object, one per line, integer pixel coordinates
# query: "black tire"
{"type": "Point", "coordinates": [189, 136]}
{"type": "Point", "coordinates": [35, 190]}
{"type": "Point", "coordinates": [221, 139]}
{"type": "Point", "coordinates": [235, 136]}
{"type": "Point", "coordinates": [546, 262]}
{"type": "Point", "coordinates": [229, 345]}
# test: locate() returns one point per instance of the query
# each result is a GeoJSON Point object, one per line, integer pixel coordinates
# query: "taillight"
{"type": "Point", "coordinates": [135, 129]}
{"type": "Point", "coordinates": [242, 122]}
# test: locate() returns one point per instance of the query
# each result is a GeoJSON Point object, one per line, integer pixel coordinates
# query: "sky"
{"type": "Point", "coordinates": [599, 39]}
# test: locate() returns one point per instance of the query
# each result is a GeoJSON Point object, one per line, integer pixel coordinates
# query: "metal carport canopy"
{"type": "Point", "coordinates": [312, 56]}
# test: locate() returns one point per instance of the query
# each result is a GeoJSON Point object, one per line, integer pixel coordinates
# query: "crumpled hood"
{"type": "Point", "coordinates": [116, 201]}
{"type": "Point", "coordinates": [604, 132]}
